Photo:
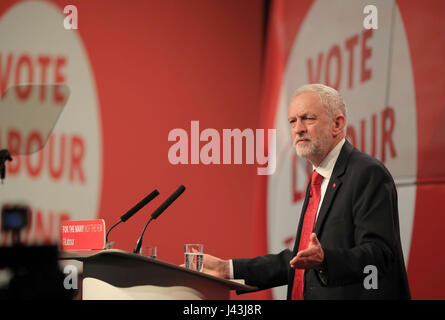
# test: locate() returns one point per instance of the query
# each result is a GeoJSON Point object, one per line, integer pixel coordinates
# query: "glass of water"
{"type": "Point", "coordinates": [148, 251]}
{"type": "Point", "coordinates": [194, 256]}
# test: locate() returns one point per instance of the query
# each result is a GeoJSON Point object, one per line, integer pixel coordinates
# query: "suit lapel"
{"type": "Point", "coordinates": [334, 185]}
{"type": "Point", "coordinates": [327, 201]}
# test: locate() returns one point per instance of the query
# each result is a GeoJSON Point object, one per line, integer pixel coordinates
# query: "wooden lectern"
{"type": "Point", "coordinates": [115, 274]}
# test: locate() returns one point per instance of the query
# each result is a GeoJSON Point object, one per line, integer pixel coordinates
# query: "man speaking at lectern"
{"type": "Point", "coordinates": [349, 223]}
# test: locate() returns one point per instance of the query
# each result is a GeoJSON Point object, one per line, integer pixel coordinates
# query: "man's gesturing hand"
{"type": "Point", "coordinates": [310, 258]}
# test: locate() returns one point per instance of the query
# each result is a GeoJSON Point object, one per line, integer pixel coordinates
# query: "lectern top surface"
{"type": "Point", "coordinates": [91, 256]}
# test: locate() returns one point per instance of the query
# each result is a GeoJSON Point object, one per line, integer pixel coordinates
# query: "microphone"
{"type": "Point", "coordinates": [157, 213]}
{"type": "Point", "coordinates": [133, 210]}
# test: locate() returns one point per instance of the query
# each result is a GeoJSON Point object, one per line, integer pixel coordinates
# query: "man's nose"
{"type": "Point", "coordinates": [300, 128]}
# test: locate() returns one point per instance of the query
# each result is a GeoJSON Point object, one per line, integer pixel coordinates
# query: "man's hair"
{"type": "Point", "coordinates": [330, 98]}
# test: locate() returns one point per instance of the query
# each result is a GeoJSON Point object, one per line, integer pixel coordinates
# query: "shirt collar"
{"type": "Point", "coordinates": [327, 165]}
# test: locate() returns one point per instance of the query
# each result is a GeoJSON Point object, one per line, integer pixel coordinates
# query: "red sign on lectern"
{"type": "Point", "coordinates": [83, 235]}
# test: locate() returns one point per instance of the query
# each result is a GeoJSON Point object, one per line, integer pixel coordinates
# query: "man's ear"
{"type": "Point", "coordinates": [338, 124]}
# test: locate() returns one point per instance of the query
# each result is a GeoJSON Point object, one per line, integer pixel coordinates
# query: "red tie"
{"type": "Point", "coordinates": [308, 227]}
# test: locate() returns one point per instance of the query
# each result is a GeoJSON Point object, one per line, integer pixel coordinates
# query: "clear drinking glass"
{"type": "Point", "coordinates": [194, 256]}
{"type": "Point", "coordinates": [148, 251]}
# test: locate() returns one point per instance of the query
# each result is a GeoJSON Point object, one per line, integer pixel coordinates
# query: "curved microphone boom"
{"type": "Point", "coordinates": [133, 210]}
{"type": "Point", "coordinates": [157, 213]}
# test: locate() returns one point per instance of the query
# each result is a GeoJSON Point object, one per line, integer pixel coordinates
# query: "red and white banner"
{"type": "Point", "coordinates": [136, 71]}
{"type": "Point", "coordinates": [70, 165]}
{"type": "Point", "coordinates": [391, 102]}
{"type": "Point", "coordinates": [83, 235]}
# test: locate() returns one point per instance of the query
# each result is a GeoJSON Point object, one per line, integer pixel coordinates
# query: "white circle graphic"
{"type": "Point", "coordinates": [62, 180]}
{"type": "Point", "coordinates": [372, 70]}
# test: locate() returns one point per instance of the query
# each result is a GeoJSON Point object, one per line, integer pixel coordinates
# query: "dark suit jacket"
{"type": "Point", "coordinates": [357, 225]}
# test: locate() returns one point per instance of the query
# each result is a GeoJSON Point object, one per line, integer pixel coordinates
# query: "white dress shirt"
{"type": "Point", "coordinates": [325, 170]}
{"type": "Point", "coordinates": [326, 167]}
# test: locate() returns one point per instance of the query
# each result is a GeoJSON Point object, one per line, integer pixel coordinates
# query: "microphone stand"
{"type": "Point", "coordinates": [137, 248]}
